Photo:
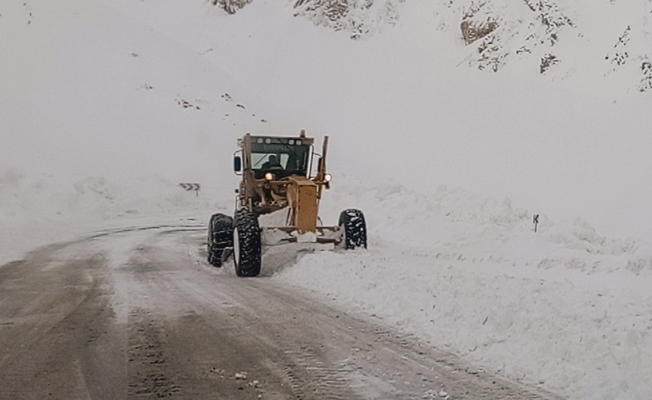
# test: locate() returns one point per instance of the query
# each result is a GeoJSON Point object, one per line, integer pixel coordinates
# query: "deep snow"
{"type": "Point", "coordinates": [107, 108]}
{"type": "Point", "coordinates": [565, 307]}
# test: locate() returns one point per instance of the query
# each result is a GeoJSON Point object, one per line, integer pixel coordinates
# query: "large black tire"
{"type": "Point", "coordinates": [354, 228]}
{"type": "Point", "coordinates": [220, 236]}
{"type": "Point", "coordinates": [246, 243]}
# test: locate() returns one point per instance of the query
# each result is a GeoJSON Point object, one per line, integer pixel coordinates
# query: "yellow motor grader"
{"type": "Point", "coordinates": [276, 174]}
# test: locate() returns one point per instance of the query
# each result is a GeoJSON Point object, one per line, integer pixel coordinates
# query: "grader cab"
{"type": "Point", "coordinates": [277, 174]}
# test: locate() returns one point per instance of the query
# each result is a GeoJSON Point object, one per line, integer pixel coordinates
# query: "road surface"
{"type": "Point", "coordinates": [138, 314]}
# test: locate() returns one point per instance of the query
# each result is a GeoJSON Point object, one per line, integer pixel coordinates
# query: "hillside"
{"type": "Point", "coordinates": [609, 39]}
{"type": "Point", "coordinates": [130, 82]}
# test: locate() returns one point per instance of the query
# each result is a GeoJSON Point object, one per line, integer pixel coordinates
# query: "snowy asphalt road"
{"type": "Point", "coordinates": [137, 313]}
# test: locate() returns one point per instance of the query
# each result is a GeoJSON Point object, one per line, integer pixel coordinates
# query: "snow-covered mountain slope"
{"type": "Point", "coordinates": [609, 40]}
{"type": "Point", "coordinates": [121, 88]}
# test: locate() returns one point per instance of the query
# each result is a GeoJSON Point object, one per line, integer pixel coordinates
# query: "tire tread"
{"type": "Point", "coordinates": [249, 236]}
{"type": "Point", "coordinates": [352, 222]}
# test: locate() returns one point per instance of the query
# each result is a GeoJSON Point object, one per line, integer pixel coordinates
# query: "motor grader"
{"type": "Point", "coordinates": [277, 173]}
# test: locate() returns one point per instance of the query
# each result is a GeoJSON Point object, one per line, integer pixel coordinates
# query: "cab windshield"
{"type": "Point", "coordinates": [281, 158]}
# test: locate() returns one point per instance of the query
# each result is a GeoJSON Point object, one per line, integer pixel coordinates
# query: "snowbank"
{"type": "Point", "coordinates": [40, 210]}
{"type": "Point", "coordinates": [564, 308]}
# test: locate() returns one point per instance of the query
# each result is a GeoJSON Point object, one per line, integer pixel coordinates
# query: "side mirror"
{"type": "Point", "coordinates": [237, 164]}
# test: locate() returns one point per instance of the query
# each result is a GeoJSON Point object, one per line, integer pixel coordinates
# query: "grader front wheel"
{"type": "Point", "coordinates": [354, 228]}
{"type": "Point", "coordinates": [246, 244]}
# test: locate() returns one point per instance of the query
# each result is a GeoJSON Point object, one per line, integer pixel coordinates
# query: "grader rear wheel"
{"type": "Point", "coordinates": [220, 236]}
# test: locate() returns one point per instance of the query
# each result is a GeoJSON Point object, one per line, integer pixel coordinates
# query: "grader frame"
{"type": "Point", "coordinates": [265, 190]}
{"type": "Point", "coordinates": [277, 174]}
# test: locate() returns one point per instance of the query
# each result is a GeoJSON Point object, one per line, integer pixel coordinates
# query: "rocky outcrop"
{"type": "Point", "coordinates": [230, 6]}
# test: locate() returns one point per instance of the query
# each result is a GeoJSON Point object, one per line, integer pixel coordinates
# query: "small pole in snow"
{"type": "Point", "coordinates": [535, 219]}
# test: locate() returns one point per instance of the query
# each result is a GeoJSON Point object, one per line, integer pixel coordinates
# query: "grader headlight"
{"type": "Point", "coordinates": [269, 176]}
{"type": "Point", "coordinates": [328, 177]}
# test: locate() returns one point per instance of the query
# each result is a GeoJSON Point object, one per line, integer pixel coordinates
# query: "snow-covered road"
{"type": "Point", "coordinates": [138, 313]}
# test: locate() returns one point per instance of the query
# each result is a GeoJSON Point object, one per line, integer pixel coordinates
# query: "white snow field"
{"type": "Point", "coordinates": [106, 106]}
{"type": "Point", "coordinates": [565, 307]}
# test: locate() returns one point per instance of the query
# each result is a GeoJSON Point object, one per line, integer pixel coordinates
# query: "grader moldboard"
{"type": "Point", "coordinates": [276, 174]}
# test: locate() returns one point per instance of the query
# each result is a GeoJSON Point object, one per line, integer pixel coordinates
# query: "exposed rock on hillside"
{"type": "Point", "coordinates": [357, 17]}
{"type": "Point", "coordinates": [230, 6]}
{"type": "Point", "coordinates": [557, 38]}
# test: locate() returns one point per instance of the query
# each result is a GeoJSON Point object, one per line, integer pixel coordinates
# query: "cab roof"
{"type": "Point", "coordinates": [287, 140]}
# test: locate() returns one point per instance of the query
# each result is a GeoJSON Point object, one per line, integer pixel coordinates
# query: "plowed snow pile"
{"type": "Point", "coordinates": [565, 307]}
